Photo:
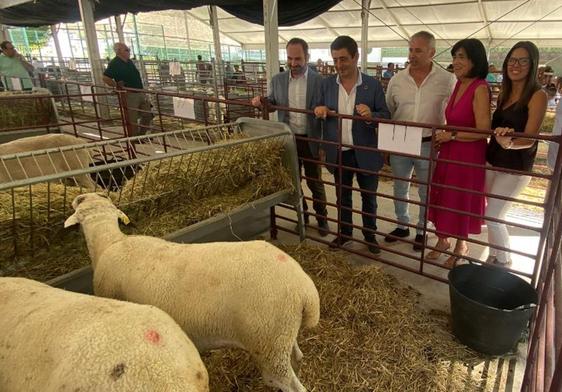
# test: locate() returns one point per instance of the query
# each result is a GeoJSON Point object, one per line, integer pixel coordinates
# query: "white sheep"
{"type": "Point", "coordinates": [55, 340]}
{"type": "Point", "coordinates": [249, 295]}
{"type": "Point", "coordinates": [59, 162]}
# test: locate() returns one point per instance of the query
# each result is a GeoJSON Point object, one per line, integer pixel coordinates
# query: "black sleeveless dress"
{"type": "Point", "coordinates": [521, 159]}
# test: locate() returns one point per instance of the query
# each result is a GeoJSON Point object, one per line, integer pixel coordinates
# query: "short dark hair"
{"type": "Point", "coordinates": [389, 64]}
{"type": "Point", "coordinates": [199, 57]}
{"type": "Point", "coordinates": [298, 41]}
{"type": "Point", "coordinates": [476, 53]}
{"type": "Point", "coordinates": [345, 42]}
{"type": "Point", "coordinates": [4, 45]}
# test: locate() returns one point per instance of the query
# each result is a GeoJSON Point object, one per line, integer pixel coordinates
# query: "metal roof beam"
{"type": "Point", "coordinates": [484, 17]}
{"type": "Point", "coordinates": [395, 20]}
{"type": "Point", "coordinates": [207, 22]}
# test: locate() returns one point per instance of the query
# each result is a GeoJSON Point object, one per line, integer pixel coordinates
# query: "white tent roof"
{"type": "Point", "coordinates": [495, 22]}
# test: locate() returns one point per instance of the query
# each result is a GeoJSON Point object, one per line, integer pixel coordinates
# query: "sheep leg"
{"type": "Point", "coordinates": [277, 372]}
{"type": "Point", "coordinates": [296, 356]}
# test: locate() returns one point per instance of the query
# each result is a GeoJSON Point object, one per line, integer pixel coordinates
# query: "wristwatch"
{"type": "Point", "coordinates": [453, 135]}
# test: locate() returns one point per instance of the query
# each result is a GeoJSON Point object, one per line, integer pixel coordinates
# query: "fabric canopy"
{"type": "Point", "coordinates": [49, 12]}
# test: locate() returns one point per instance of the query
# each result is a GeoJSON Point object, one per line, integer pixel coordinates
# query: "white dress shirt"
{"type": "Point", "coordinates": [426, 103]}
{"type": "Point", "coordinates": [297, 100]}
{"type": "Point", "coordinates": [346, 105]}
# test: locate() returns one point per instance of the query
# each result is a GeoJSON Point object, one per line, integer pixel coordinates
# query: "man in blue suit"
{"type": "Point", "coordinates": [299, 88]}
{"type": "Point", "coordinates": [353, 93]}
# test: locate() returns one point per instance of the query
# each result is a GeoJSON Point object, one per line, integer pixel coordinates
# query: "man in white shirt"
{"type": "Point", "coordinates": [418, 93]}
{"type": "Point", "coordinates": [299, 87]}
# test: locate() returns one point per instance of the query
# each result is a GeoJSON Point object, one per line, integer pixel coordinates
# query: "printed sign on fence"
{"type": "Point", "coordinates": [184, 107]}
{"type": "Point", "coordinates": [175, 68]}
{"type": "Point", "coordinates": [16, 84]}
{"type": "Point", "coordinates": [86, 90]}
{"type": "Point", "coordinates": [400, 138]}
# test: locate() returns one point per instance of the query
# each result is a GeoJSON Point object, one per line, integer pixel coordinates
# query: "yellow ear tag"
{"type": "Point", "coordinates": [125, 219]}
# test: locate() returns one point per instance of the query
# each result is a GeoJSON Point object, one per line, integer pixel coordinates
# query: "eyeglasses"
{"type": "Point", "coordinates": [522, 61]}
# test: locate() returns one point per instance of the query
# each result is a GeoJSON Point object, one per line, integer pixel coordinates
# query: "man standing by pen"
{"type": "Point", "coordinates": [353, 93]}
{"type": "Point", "coordinates": [121, 72]}
{"type": "Point", "coordinates": [418, 93]}
{"type": "Point", "coordinates": [299, 87]}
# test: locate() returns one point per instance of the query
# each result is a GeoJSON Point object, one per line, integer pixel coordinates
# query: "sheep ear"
{"type": "Point", "coordinates": [71, 221]}
{"type": "Point", "coordinates": [124, 218]}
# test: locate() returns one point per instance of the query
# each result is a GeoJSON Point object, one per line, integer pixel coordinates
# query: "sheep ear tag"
{"type": "Point", "coordinates": [71, 221]}
{"type": "Point", "coordinates": [124, 218]}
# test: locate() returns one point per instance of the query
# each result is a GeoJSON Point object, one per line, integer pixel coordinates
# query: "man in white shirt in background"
{"type": "Point", "coordinates": [299, 87]}
{"type": "Point", "coordinates": [418, 93]}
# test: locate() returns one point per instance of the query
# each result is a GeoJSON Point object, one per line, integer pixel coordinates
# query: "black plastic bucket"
{"type": "Point", "coordinates": [490, 307]}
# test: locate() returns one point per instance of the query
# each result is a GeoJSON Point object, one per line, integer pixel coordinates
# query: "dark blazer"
{"type": "Point", "coordinates": [279, 95]}
{"type": "Point", "coordinates": [370, 93]}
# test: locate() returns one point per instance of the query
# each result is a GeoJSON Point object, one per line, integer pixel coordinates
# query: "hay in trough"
{"type": "Point", "coordinates": [372, 336]}
{"type": "Point", "coordinates": [25, 112]}
{"type": "Point", "coordinates": [163, 197]}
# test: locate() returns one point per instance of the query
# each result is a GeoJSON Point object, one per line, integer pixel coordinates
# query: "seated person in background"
{"type": "Point", "coordinates": [389, 71]}
{"type": "Point", "coordinates": [551, 95]}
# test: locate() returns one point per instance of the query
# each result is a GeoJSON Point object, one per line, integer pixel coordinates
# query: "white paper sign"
{"type": "Point", "coordinates": [184, 107]}
{"type": "Point", "coordinates": [399, 138]}
{"type": "Point", "coordinates": [86, 90]}
{"type": "Point", "coordinates": [175, 68]}
{"type": "Point", "coordinates": [16, 84]}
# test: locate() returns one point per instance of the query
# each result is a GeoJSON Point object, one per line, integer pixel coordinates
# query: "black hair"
{"type": "Point", "coordinates": [531, 83]}
{"type": "Point", "coordinates": [476, 53]}
{"type": "Point", "coordinates": [298, 41]}
{"type": "Point", "coordinates": [4, 45]}
{"type": "Point", "coordinates": [345, 42]}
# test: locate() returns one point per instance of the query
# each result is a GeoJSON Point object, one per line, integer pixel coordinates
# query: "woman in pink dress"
{"type": "Point", "coordinates": [469, 106]}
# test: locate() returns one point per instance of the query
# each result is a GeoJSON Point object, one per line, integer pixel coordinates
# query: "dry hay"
{"type": "Point", "coordinates": [202, 174]}
{"type": "Point", "coordinates": [31, 217]}
{"type": "Point", "coordinates": [372, 336]}
{"type": "Point", "coordinates": [174, 195]}
{"type": "Point", "coordinates": [16, 113]}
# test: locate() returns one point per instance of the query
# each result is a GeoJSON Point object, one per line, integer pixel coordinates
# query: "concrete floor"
{"type": "Point", "coordinates": [435, 294]}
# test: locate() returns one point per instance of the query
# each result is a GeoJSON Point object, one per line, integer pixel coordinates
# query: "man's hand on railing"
{"type": "Point", "coordinates": [363, 110]}
{"type": "Point", "coordinates": [322, 111]}
{"type": "Point", "coordinates": [257, 102]}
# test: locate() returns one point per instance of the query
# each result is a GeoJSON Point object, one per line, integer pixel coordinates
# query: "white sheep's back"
{"type": "Point", "coordinates": [225, 281]}
{"type": "Point", "coordinates": [55, 340]}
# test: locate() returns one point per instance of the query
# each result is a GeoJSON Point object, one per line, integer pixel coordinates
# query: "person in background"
{"type": "Point", "coordinates": [14, 65]}
{"type": "Point", "coordinates": [203, 70]}
{"type": "Point", "coordinates": [299, 88]}
{"type": "Point", "coordinates": [419, 93]}
{"type": "Point", "coordinates": [521, 108]}
{"type": "Point", "coordinates": [556, 131]}
{"type": "Point", "coordinates": [353, 93]}
{"type": "Point", "coordinates": [469, 106]}
{"type": "Point", "coordinates": [389, 71]}
{"type": "Point", "coordinates": [491, 77]}
{"type": "Point", "coordinates": [122, 72]}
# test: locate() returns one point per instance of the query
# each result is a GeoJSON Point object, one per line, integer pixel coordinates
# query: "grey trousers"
{"type": "Point", "coordinates": [314, 172]}
{"type": "Point", "coordinates": [138, 107]}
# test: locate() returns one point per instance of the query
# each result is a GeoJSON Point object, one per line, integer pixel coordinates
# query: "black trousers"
{"type": "Point", "coordinates": [314, 181]}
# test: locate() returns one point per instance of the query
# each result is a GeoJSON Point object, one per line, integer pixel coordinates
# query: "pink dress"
{"type": "Point", "coordinates": [450, 223]}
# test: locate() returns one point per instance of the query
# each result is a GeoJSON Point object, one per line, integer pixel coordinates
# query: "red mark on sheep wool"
{"type": "Point", "coordinates": [152, 336]}
{"type": "Point", "coordinates": [281, 258]}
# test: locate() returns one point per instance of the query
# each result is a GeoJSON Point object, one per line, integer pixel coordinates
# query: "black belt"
{"type": "Point", "coordinates": [426, 139]}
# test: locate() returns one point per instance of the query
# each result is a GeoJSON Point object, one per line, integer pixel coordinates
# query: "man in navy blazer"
{"type": "Point", "coordinates": [354, 93]}
{"type": "Point", "coordinates": [299, 88]}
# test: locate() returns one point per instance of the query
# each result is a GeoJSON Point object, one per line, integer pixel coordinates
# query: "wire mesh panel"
{"type": "Point", "coordinates": [164, 182]}
{"type": "Point", "coordinates": [24, 112]}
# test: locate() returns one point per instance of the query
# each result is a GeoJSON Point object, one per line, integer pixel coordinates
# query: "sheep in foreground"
{"type": "Point", "coordinates": [249, 295]}
{"type": "Point", "coordinates": [55, 340]}
{"type": "Point", "coordinates": [60, 162]}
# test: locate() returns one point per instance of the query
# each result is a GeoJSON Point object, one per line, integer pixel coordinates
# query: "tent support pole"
{"type": "Point", "coordinates": [270, 25]}
{"type": "Point", "coordinates": [365, 5]}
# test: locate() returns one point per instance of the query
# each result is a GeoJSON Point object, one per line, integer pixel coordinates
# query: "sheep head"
{"type": "Point", "coordinates": [92, 204]}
